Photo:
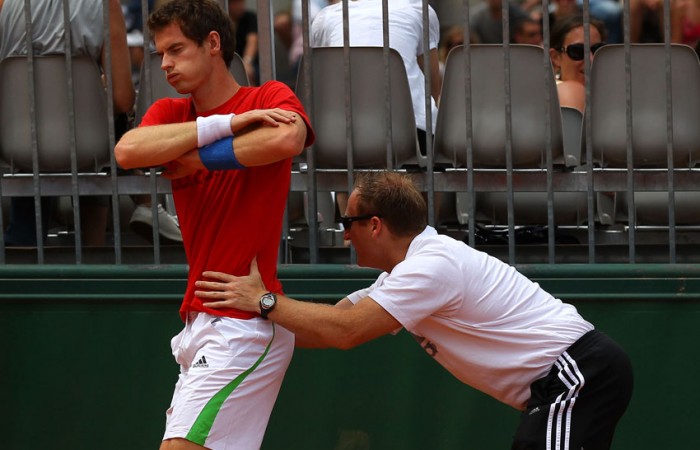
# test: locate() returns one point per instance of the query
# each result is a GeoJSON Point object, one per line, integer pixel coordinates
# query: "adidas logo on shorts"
{"type": "Point", "coordinates": [201, 363]}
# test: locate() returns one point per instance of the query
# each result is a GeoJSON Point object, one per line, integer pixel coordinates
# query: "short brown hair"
{"type": "Point", "coordinates": [395, 198]}
{"type": "Point", "coordinates": [197, 18]}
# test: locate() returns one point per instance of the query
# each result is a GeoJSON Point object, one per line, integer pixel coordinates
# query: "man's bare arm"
{"type": "Point", "coordinates": [435, 78]}
{"type": "Point", "coordinates": [122, 84]}
{"type": "Point", "coordinates": [323, 326]}
{"type": "Point", "coordinates": [300, 341]}
{"type": "Point", "coordinates": [157, 145]}
{"type": "Point", "coordinates": [342, 326]}
{"type": "Point", "coordinates": [266, 145]}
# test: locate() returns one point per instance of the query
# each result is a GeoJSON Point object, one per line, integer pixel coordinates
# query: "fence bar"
{"type": "Point", "coordinates": [551, 235]}
{"type": "Point", "coordinates": [505, 11]}
{"type": "Point", "coordinates": [669, 137]}
{"type": "Point", "coordinates": [427, 61]}
{"type": "Point", "coordinates": [116, 225]}
{"type": "Point", "coordinates": [35, 145]}
{"type": "Point", "coordinates": [589, 148]}
{"type": "Point", "coordinates": [468, 129]}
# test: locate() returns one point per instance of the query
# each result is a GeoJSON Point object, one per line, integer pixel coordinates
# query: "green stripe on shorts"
{"type": "Point", "coordinates": [202, 426]}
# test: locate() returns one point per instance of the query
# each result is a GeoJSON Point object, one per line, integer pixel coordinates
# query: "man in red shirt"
{"type": "Point", "coordinates": [228, 150]}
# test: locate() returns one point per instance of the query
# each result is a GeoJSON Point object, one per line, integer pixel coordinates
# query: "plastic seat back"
{"type": "Point", "coordinates": [648, 105]}
{"type": "Point", "coordinates": [488, 107]}
{"type": "Point", "coordinates": [368, 103]}
{"type": "Point", "coordinates": [53, 129]}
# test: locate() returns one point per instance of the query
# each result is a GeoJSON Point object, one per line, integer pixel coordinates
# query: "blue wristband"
{"type": "Point", "coordinates": [219, 155]}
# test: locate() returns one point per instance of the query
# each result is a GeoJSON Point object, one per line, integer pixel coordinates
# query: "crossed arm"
{"type": "Point", "coordinates": [343, 326]}
{"type": "Point", "coordinates": [260, 137]}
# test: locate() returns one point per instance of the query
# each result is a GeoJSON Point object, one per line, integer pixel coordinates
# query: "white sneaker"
{"type": "Point", "coordinates": [142, 224]}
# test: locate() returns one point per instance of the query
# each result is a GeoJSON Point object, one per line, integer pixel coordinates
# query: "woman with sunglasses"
{"type": "Point", "coordinates": [567, 55]}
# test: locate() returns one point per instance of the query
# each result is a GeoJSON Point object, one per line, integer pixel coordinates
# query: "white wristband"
{"type": "Point", "coordinates": [212, 128]}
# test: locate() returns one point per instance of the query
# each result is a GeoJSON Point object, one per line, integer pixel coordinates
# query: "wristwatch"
{"type": "Point", "coordinates": [267, 304]}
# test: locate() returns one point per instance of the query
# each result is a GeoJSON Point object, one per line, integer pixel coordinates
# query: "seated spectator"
{"type": "Point", "coordinates": [365, 19]}
{"type": "Point", "coordinates": [246, 37]}
{"type": "Point", "coordinates": [486, 20]}
{"type": "Point", "coordinates": [405, 36]}
{"type": "Point", "coordinates": [86, 21]}
{"type": "Point", "coordinates": [567, 56]}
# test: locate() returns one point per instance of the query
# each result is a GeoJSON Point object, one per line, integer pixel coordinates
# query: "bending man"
{"type": "Point", "coordinates": [487, 324]}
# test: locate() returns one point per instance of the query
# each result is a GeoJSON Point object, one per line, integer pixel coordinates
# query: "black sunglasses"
{"type": "Point", "coordinates": [348, 220]}
{"type": "Point", "coordinates": [575, 51]}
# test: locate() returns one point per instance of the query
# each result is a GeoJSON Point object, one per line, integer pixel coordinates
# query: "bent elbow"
{"type": "Point", "coordinates": [292, 140]}
{"type": "Point", "coordinates": [123, 155]}
{"type": "Point", "coordinates": [347, 340]}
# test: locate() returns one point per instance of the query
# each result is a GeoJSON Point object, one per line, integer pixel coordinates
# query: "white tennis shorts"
{"type": "Point", "coordinates": [230, 373]}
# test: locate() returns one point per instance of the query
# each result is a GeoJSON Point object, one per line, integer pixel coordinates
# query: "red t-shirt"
{"type": "Point", "coordinates": [227, 217]}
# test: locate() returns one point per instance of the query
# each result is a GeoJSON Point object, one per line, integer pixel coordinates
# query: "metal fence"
{"type": "Point", "coordinates": [582, 198]}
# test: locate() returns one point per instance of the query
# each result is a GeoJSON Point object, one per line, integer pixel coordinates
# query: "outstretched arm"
{"type": "Point", "coordinates": [266, 136]}
{"type": "Point", "coordinates": [342, 326]}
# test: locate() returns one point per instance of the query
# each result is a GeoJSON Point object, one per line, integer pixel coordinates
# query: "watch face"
{"type": "Point", "coordinates": [267, 301]}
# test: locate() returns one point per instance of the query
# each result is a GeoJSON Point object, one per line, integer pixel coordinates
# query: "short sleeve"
{"type": "Point", "coordinates": [165, 111]}
{"type": "Point", "coordinates": [434, 24]}
{"type": "Point", "coordinates": [420, 287]}
{"type": "Point", "coordinates": [362, 293]}
{"type": "Point", "coordinates": [279, 95]}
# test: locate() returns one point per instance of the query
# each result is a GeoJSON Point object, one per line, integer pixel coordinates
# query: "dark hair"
{"type": "Point", "coordinates": [393, 196]}
{"type": "Point", "coordinates": [197, 18]}
{"type": "Point", "coordinates": [563, 25]}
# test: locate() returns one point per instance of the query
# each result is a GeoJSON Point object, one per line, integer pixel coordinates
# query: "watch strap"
{"type": "Point", "coordinates": [264, 308]}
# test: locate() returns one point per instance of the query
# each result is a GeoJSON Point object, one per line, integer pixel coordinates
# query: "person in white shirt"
{"type": "Point", "coordinates": [405, 23]}
{"type": "Point", "coordinates": [365, 20]}
{"type": "Point", "coordinates": [477, 316]}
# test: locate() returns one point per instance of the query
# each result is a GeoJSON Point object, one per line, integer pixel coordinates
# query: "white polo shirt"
{"type": "Point", "coordinates": [486, 323]}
